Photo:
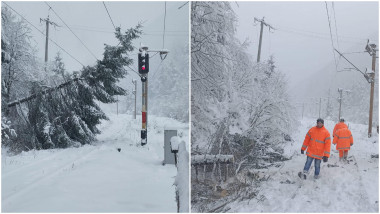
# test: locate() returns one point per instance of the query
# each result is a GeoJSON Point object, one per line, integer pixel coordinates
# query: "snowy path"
{"type": "Point", "coordinates": [350, 187]}
{"type": "Point", "coordinates": [95, 178]}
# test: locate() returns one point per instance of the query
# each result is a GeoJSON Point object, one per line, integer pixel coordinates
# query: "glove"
{"type": "Point", "coordinates": [325, 159]}
{"type": "Point", "coordinates": [302, 151]}
{"type": "Point", "coordinates": [351, 144]}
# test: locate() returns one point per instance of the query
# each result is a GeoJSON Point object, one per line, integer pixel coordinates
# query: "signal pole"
{"type": "Point", "coordinates": [143, 64]}
{"type": "Point", "coordinates": [261, 34]}
{"type": "Point", "coordinates": [134, 92]}
{"type": "Point", "coordinates": [371, 49]}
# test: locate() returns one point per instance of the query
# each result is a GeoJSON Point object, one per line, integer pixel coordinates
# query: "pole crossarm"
{"type": "Point", "coordinates": [33, 96]}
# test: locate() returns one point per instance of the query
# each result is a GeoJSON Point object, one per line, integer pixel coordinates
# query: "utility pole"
{"type": "Point", "coordinates": [261, 34]}
{"type": "Point", "coordinates": [371, 49]}
{"type": "Point", "coordinates": [47, 36]}
{"type": "Point", "coordinates": [134, 92]}
{"type": "Point", "coordinates": [340, 90]}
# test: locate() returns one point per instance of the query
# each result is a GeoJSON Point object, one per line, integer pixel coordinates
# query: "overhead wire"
{"type": "Point", "coordinates": [109, 15]}
{"type": "Point", "coordinates": [163, 36]}
{"type": "Point", "coordinates": [44, 34]}
{"type": "Point", "coordinates": [332, 42]}
{"type": "Point", "coordinates": [336, 26]}
{"type": "Point", "coordinates": [71, 31]}
{"type": "Point", "coordinates": [183, 5]}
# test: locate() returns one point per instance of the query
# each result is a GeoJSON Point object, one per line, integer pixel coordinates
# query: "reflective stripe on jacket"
{"type": "Point", "coordinates": [338, 126]}
{"type": "Point", "coordinates": [317, 142]}
{"type": "Point", "coordinates": [343, 139]}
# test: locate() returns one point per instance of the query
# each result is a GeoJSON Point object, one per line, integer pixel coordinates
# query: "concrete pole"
{"type": "Point", "coordinates": [47, 40]}
{"type": "Point", "coordinates": [340, 101]}
{"type": "Point", "coordinates": [261, 37]}
{"type": "Point", "coordinates": [372, 91]}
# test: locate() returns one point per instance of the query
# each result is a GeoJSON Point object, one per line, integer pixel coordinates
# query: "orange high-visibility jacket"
{"type": "Point", "coordinates": [338, 126]}
{"type": "Point", "coordinates": [317, 142]}
{"type": "Point", "coordinates": [343, 139]}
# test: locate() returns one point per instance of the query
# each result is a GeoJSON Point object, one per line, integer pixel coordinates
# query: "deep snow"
{"type": "Point", "coordinates": [342, 187]}
{"type": "Point", "coordinates": [96, 178]}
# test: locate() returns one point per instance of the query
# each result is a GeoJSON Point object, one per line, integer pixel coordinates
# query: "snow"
{"type": "Point", "coordinates": [182, 179]}
{"type": "Point", "coordinates": [342, 187]}
{"type": "Point", "coordinates": [175, 141]}
{"type": "Point", "coordinates": [96, 178]}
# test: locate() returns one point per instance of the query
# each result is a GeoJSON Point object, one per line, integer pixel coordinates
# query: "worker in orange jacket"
{"type": "Point", "coordinates": [317, 144]}
{"type": "Point", "coordinates": [339, 125]}
{"type": "Point", "coordinates": [343, 140]}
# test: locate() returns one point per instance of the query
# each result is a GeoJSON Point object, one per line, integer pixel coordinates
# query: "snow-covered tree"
{"type": "Point", "coordinates": [239, 107]}
{"type": "Point", "coordinates": [62, 111]}
{"type": "Point", "coordinates": [23, 65]}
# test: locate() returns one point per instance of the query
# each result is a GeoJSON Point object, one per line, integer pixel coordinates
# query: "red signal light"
{"type": "Point", "coordinates": [143, 67]}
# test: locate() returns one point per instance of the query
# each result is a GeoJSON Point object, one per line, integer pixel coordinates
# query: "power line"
{"type": "Point", "coordinates": [332, 42]}
{"type": "Point", "coordinates": [336, 27]}
{"type": "Point", "coordinates": [311, 35]}
{"type": "Point", "coordinates": [43, 34]}
{"type": "Point", "coordinates": [163, 36]}
{"type": "Point", "coordinates": [71, 30]}
{"type": "Point", "coordinates": [183, 5]}
{"type": "Point", "coordinates": [109, 15]}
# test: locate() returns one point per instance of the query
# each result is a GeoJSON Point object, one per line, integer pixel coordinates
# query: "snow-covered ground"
{"type": "Point", "coordinates": [96, 178]}
{"type": "Point", "coordinates": [349, 187]}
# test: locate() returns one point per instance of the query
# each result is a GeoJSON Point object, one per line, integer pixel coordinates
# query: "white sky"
{"type": "Point", "coordinates": [302, 41]}
{"type": "Point", "coordinates": [91, 23]}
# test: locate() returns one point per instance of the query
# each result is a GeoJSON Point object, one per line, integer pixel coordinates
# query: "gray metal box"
{"type": "Point", "coordinates": [168, 155]}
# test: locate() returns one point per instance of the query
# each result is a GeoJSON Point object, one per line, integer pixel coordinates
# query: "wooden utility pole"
{"type": "Point", "coordinates": [261, 34]}
{"type": "Point", "coordinates": [371, 49]}
{"type": "Point", "coordinates": [47, 35]}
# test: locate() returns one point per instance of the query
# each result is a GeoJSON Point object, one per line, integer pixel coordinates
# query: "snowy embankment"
{"type": "Point", "coordinates": [96, 178]}
{"type": "Point", "coordinates": [342, 187]}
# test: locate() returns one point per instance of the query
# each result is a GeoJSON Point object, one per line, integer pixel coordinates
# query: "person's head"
{"type": "Point", "coordinates": [341, 120]}
{"type": "Point", "coordinates": [320, 122]}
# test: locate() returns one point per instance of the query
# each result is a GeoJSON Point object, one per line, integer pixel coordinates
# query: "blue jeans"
{"type": "Point", "coordinates": [317, 165]}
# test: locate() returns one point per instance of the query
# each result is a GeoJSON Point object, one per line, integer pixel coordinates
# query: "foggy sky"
{"type": "Point", "coordinates": [91, 23]}
{"type": "Point", "coordinates": [301, 43]}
